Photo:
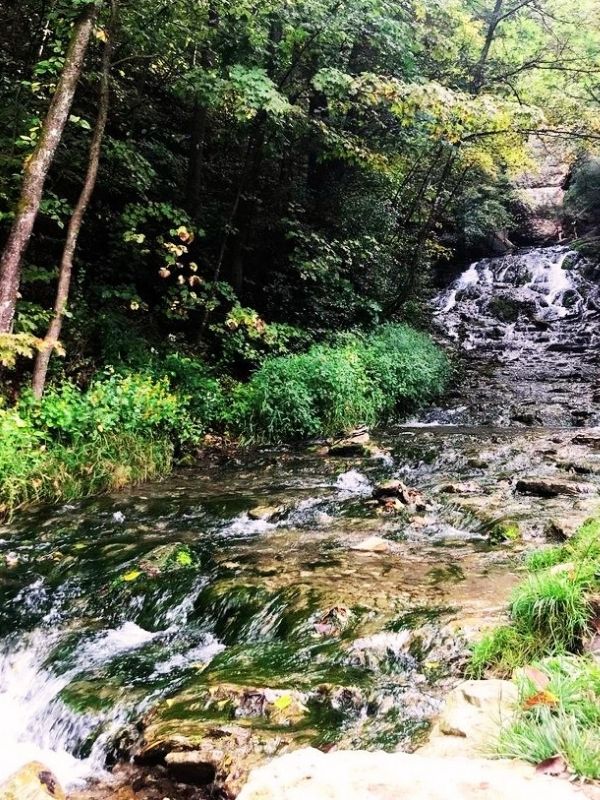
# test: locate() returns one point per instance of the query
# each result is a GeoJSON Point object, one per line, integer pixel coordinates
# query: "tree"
{"type": "Point", "coordinates": [52, 337]}
{"type": "Point", "coordinates": [38, 164]}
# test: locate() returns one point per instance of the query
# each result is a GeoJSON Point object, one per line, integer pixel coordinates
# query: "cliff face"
{"type": "Point", "coordinates": [542, 191]}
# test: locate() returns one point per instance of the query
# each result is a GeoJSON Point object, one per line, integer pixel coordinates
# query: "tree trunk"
{"type": "Point", "coordinates": [196, 161]}
{"type": "Point", "coordinates": [36, 168]}
{"type": "Point", "coordinates": [42, 361]}
{"type": "Point", "coordinates": [479, 73]}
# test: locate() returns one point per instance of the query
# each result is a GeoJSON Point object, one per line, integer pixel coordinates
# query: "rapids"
{"type": "Point", "coordinates": [174, 602]}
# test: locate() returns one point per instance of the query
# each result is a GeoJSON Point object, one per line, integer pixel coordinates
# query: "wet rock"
{"type": "Point", "coordinates": [528, 418]}
{"type": "Point", "coordinates": [198, 767]}
{"type": "Point", "coordinates": [553, 487]}
{"type": "Point", "coordinates": [587, 440]}
{"type": "Point", "coordinates": [394, 496]}
{"type": "Point", "coordinates": [379, 649]}
{"type": "Point", "coordinates": [265, 513]}
{"type": "Point", "coordinates": [373, 544]}
{"type": "Point", "coordinates": [390, 505]}
{"type": "Point", "coordinates": [357, 775]}
{"type": "Point", "coordinates": [34, 781]}
{"type": "Point", "coordinates": [166, 558]}
{"type": "Point", "coordinates": [562, 528]}
{"type": "Point", "coordinates": [333, 622]}
{"type": "Point", "coordinates": [467, 487]}
{"type": "Point", "coordinates": [355, 445]}
{"type": "Point", "coordinates": [389, 488]}
{"type": "Point", "coordinates": [473, 713]}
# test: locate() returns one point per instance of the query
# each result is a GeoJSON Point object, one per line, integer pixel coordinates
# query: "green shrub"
{"type": "Point", "coordinates": [201, 394]}
{"type": "Point", "coordinates": [406, 366]}
{"type": "Point", "coordinates": [333, 388]}
{"type": "Point", "coordinates": [133, 403]}
{"type": "Point", "coordinates": [75, 443]}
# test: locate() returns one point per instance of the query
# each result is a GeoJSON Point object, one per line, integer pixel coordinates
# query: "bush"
{"type": "Point", "coordinates": [132, 403]}
{"type": "Point", "coordinates": [406, 367]}
{"type": "Point", "coordinates": [200, 393]}
{"type": "Point", "coordinates": [75, 443]}
{"type": "Point", "coordinates": [126, 427]}
{"type": "Point", "coordinates": [331, 389]}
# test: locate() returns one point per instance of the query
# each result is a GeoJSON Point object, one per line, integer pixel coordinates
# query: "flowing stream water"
{"type": "Point", "coordinates": [175, 614]}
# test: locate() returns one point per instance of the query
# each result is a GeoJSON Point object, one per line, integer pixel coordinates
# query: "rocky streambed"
{"type": "Point", "coordinates": [165, 641]}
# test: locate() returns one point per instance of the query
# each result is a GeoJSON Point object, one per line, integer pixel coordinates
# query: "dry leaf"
{"type": "Point", "coordinates": [544, 698]}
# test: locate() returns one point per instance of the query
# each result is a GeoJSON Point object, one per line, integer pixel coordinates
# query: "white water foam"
{"type": "Point", "coordinates": [37, 724]}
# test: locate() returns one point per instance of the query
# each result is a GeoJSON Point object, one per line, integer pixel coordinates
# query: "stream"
{"type": "Point", "coordinates": [240, 609]}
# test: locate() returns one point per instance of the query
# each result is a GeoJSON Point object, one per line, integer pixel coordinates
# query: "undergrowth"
{"type": "Point", "coordinates": [128, 426]}
{"type": "Point", "coordinates": [359, 380]}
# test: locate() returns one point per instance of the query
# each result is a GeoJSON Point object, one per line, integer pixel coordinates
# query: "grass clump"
{"type": "Point", "coordinates": [551, 611]}
{"type": "Point", "coordinates": [330, 389]}
{"type": "Point", "coordinates": [561, 719]}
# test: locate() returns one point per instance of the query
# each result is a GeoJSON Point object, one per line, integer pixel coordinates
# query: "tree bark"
{"type": "Point", "coordinates": [42, 361]}
{"type": "Point", "coordinates": [479, 74]}
{"type": "Point", "coordinates": [37, 166]}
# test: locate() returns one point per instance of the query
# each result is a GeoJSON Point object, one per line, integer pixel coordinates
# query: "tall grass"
{"type": "Point", "coordinates": [550, 611]}
{"type": "Point", "coordinates": [552, 614]}
{"type": "Point", "coordinates": [331, 389]}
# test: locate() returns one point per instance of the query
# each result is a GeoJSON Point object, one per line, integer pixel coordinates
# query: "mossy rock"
{"type": "Point", "coordinates": [164, 559]}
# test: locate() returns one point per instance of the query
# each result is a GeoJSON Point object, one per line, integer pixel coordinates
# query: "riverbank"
{"type": "Point", "coordinates": [551, 647]}
{"type": "Point", "coordinates": [130, 427]}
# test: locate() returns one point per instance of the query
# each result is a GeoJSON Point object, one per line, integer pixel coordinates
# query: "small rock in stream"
{"type": "Point", "coordinates": [265, 513]}
{"type": "Point", "coordinates": [553, 487]}
{"type": "Point", "coordinates": [356, 444]}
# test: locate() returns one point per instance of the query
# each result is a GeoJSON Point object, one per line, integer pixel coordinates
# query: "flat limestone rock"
{"type": "Point", "coordinates": [473, 713]}
{"type": "Point", "coordinates": [357, 775]}
{"type": "Point", "coordinates": [373, 544]}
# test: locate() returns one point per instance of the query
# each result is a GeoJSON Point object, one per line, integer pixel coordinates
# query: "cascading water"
{"type": "Point", "coordinates": [526, 313]}
{"type": "Point", "coordinates": [228, 595]}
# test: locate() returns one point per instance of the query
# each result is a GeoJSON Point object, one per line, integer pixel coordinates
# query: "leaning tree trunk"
{"type": "Point", "coordinates": [66, 265]}
{"type": "Point", "coordinates": [36, 168]}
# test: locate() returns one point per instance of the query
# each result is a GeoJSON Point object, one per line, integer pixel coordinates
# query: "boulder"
{"type": "Point", "coordinates": [381, 649]}
{"type": "Point", "coordinates": [34, 781]}
{"type": "Point", "coordinates": [198, 767]}
{"type": "Point", "coordinates": [358, 775]}
{"type": "Point", "coordinates": [389, 488]}
{"type": "Point", "coordinates": [472, 715]}
{"type": "Point", "coordinates": [587, 440]}
{"type": "Point", "coordinates": [553, 487]}
{"type": "Point", "coordinates": [467, 487]}
{"type": "Point", "coordinates": [166, 558]}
